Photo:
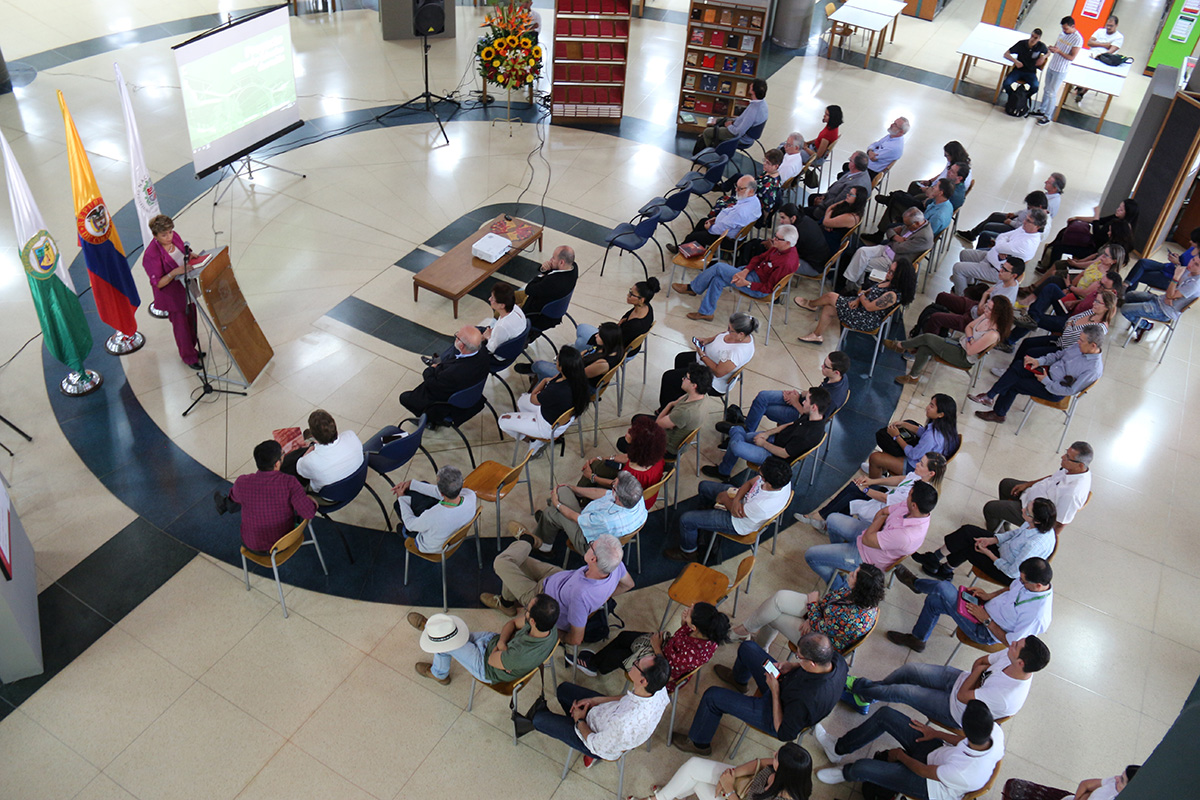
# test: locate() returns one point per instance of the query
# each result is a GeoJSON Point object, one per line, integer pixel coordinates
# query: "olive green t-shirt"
{"type": "Point", "coordinates": [523, 655]}
{"type": "Point", "coordinates": [686, 417]}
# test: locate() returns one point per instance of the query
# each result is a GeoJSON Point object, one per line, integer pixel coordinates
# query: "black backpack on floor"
{"type": "Point", "coordinates": [1018, 101]}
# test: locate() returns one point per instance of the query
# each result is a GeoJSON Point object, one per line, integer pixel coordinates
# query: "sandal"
{"type": "Point", "coordinates": [803, 303]}
{"type": "Point", "coordinates": [811, 339]}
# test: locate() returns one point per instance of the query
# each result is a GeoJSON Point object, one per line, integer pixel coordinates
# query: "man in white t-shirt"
{"type": "Point", "coordinates": [793, 157]}
{"type": "Point", "coordinates": [332, 455]}
{"type": "Point", "coordinates": [1106, 40]}
{"type": "Point", "coordinates": [929, 763]}
{"type": "Point", "coordinates": [1062, 53]}
{"type": "Point", "coordinates": [1001, 679]}
{"type": "Point", "coordinates": [984, 265]}
{"type": "Point", "coordinates": [729, 509]}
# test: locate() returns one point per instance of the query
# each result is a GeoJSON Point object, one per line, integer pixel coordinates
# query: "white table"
{"type": "Point", "coordinates": [987, 43]}
{"type": "Point", "coordinates": [1087, 59]}
{"type": "Point", "coordinates": [1095, 80]}
{"type": "Point", "coordinates": [866, 20]}
{"type": "Point", "coordinates": [888, 8]}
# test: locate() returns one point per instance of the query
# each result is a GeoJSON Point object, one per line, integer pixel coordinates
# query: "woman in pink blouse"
{"type": "Point", "coordinates": [164, 262]}
{"type": "Point", "coordinates": [701, 630]}
{"type": "Point", "coordinates": [844, 613]}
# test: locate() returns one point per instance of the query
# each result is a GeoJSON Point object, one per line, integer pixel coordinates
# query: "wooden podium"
{"type": "Point", "coordinates": [226, 314]}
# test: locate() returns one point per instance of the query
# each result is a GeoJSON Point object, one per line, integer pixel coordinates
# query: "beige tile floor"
{"type": "Point", "coordinates": [204, 691]}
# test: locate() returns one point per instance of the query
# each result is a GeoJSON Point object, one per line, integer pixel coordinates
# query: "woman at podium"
{"type": "Point", "coordinates": [165, 261]}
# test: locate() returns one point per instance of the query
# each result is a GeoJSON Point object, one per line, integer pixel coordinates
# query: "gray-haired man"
{"type": "Point", "coordinates": [911, 237]}
{"type": "Point", "coordinates": [431, 514]}
{"type": "Point", "coordinates": [585, 513]}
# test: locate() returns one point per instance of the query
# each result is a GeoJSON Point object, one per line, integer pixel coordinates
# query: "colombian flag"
{"type": "Point", "coordinates": [112, 281]}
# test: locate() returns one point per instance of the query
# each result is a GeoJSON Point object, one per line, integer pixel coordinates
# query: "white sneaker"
{"type": "Point", "coordinates": [828, 742]}
{"type": "Point", "coordinates": [865, 466]}
{"type": "Point", "coordinates": [816, 521]}
{"type": "Point", "coordinates": [999, 371]}
{"type": "Point", "coordinates": [831, 775]}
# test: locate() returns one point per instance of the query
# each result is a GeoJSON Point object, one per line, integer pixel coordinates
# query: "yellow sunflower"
{"type": "Point", "coordinates": [496, 64]}
{"type": "Point", "coordinates": [537, 51]}
{"type": "Point", "coordinates": [532, 63]}
{"type": "Point", "coordinates": [488, 53]}
{"type": "Point", "coordinates": [529, 79]}
{"type": "Point", "coordinates": [512, 41]}
{"type": "Point", "coordinates": [526, 43]}
{"type": "Point", "coordinates": [501, 44]}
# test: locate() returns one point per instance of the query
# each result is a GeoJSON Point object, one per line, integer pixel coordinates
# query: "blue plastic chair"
{"type": "Point", "coordinates": [506, 354]}
{"type": "Point", "coordinates": [462, 406]}
{"type": "Point", "coordinates": [668, 208]}
{"type": "Point", "coordinates": [709, 155]}
{"type": "Point", "coordinates": [750, 138]}
{"type": "Point", "coordinates": [339, 494]}
{"type": "Point", "coordinates": [701, 183]}
{"type": "Point", "coordinates": [398, 452]}
{"type": "Point", "coordinates": [554, 311]}
{"type": "Point", "coordinates": [629, 238]}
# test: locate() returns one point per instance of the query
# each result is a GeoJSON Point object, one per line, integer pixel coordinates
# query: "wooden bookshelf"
{"type": "Point", "coordinates": [591, 49]}
{"type": "Point", "coordinates": [722, 55]}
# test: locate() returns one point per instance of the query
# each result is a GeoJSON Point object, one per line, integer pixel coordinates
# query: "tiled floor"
{"type": "Point", "coordinates": [204, 691]}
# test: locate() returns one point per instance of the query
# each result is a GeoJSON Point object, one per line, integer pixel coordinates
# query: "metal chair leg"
{"type": "Point", "coordinates": [471, 702]}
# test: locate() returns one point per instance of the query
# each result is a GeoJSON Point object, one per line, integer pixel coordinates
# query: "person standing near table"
{"type": "Point", "coordinates": [1062, 53]}
{"type": "Point", "coordinates": [164, 261]}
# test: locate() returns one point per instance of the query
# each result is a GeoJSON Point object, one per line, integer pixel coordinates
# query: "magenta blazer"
{"type": "Point", "coordinates": [157, 263]}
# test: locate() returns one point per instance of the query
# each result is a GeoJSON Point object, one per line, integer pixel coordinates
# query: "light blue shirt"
{"type": "Point", "coordinates": [606, 515]}
{"type": "Point", "coordinates": [753, 114]}
{"type": "Point", "coordinates": [887, 150]}
{"type": "Point", "coordinates": [1084, 368]}
{"type": "Point", "coordinates": [1017, 545]}
{"type": "Point", "coordinates": [939, 215]}
{"type": "Point", "coordinates": [737, 216]}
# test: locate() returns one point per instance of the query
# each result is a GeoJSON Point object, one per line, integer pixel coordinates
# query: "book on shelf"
{"type": "Point", "coordinates": [708, 83]}
{"type": "Point", "coordinates": [740, 89]}
{"type": "Point", "coordinates": [717, 39]}
{"type": "Point", "coordinates": [689, 81]}
{"type": "Point", "coordinates": [704, 106]}
{"type": "Point", "coordinates": [726, 87]}
{"type": "Point", "coordinates": [687, 119]}
{"type": "Point", "coordinates": [727, 17]}
{"type": "Point", "coordinates": [696, 12]}
{"type": "Point", "coordinates": [720, 107]}
{"type": "Point", "coordinates": [731, 64]}
{"type": "Point", "coordinates": [692, 59]}
{"type": "Point", "coordinates": [689, 103]}
{"type": "Point", "coordinates": [756, 21]}
{"type": "Point", "coordinates": [697, 36]}
{"type": "Point", "coordinates": [604, 51]}
{"type": "Point", "coordinates": [748, 66]}
{"type": "Point", "coordinates": [710, 15]}
{"type": "Point", "coordinates": [743, 21]}
{"type": "Point", "coordinates": [709, 61]}
{"type": "Point", "coordinates": [731, 41]}
{"type": "Point", "coordinates": [748, 44]}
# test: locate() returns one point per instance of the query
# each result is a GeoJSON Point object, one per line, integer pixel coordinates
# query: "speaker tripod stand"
{"type": "Point", "coordinates": [426, 101]}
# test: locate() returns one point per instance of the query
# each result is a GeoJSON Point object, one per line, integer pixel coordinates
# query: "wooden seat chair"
{"type": "Point", "coordinates": [780, 290]}
{"type": "Point", "coordinates": [280, 552]}
{"type": "Point", "coordinates": [492, 481]}
{"type": "Point", "coordinates": [558, 436]}
{"type": "Point", "coordinates": [830, 265]}
{"type": "Point", "coordinates": [969, 642]}
{"type": "Point", "coordinates": [972, 371]}
{"type": "Point", "coordinates": [734, 379]}
{"type": "Point", "coordinates": [700, 584]}
{"type": "Point", "coordinates": [796, 464]}
{"type": "Point", "coordinates": [511, 689]}
{"type": "Point", "coordinates": [1066, 405]}
{"type": "Point", "coordinates": [626, 539]}
{"type": "Point", "coordinates": [598, 395]}
{"type": "Point", "coordinates": [448, 549]}
{"type": "Point", "coordinates": [836, 30]}
{"type": "Point", "coordinates": [750, 540]}
{"type": "Point", "coordinates": [877, 334]}
{"type": "Point", "coordinates": [662, 490]}
{"type": "Point", "coordinates": [690, 442]}
{"type": "Point", "coordinates": [742, 236]}
{"type": "Point", "coordinates": [697, 263]}
{"type": "Point", "coordinates": [634, 349]}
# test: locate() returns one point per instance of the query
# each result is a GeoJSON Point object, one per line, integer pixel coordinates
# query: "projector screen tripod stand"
{"type": "Point", "coordinates": [426, 100]}
{"type": "Point", "coordinates": [246, 164]}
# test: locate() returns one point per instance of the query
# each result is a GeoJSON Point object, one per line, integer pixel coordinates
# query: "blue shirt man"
{"type": "Point", "coordinates": [1160, 274]}
{"type": "Point", "coordinates": [886, 151]}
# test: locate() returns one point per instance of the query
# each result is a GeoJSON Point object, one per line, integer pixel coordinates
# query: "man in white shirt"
{"type": "Point", "coordinates": [1068, 488]}
{"type": "Point", "coordinates": [984, 265]}
{"type": "Point", "coordinates": [331, 456]}
{"type": "Point", "coordinates": [1106, 40]}
{"type": "Point", "coordinates": [1062, 53]}
{"type": "Point", "coordinates": [793, 157]}
{"type": "Point", "coordinates": [432, 514]}
{"type": "Point", "coordinates": [1005, 615]}
{"type": "Point", "coordinates": [1001, 679]}
{"type": "Point", "coordinates": [886, 151]}
{"type": "Point", "coordinates": [506, 324]}
{"type": "Point", "coordinates": [959, 309]}
{"type": "Point", "coordinates": [929, 764]}
{"type": "Point", "coordinates": [605, 727]}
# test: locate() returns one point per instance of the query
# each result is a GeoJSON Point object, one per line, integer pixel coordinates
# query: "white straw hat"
{"type": "Point", "coordinates": [443, 633]}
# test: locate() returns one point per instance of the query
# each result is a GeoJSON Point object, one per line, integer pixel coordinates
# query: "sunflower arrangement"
{"type": "Point", "coordinates": [509, 55]}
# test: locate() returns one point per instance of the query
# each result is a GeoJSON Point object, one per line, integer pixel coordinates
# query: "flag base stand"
{"type": "Point", "coordinates": [77, 384]}
{"type": "Point", "coordinates": [157, 312]}
{"type": "Point", "coordinates": [121, 345]}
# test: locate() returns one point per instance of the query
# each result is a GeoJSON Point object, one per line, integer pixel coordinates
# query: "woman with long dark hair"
{"type": "Point", "coordinates": [903, 443]}
{"type": "Point", "coordinates": [868, 310]}
{"type": "Point", "coordinates": [864, 497]}
{"type": "Point", "coordinates": [540, 408]}
{"type": "Point", "coordinates": [841, 218]}
{"type": "Point", "coordinates": [785, 776]}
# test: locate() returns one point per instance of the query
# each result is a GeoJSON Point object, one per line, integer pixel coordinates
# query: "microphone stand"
{"type": "Point", "coordinates": [206, 384]}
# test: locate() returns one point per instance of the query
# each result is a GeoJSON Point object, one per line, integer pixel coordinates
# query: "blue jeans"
{"type": "Point", "coordinates": [842, 552]}
{"type": "Point", "coordinates": [1151, 273]}
{"type": "Point", "coordinates": [544, 369]}
{"type": "Point", "coordinates": [924, 687]}
{"type": "Point", "coordinates": [713, 280]}
{"type": "Point", "coordinates": [1017, 381]}
{"type": "Point", "coordinates": [1053, 82]}
{"type": "Point", "coordinates": [1144, 304]}
{"type": "Point", "coordinates": [716, 702]}
{"type": "Point", "coordinates": [583, 336]}
{"type": "Point", "coordinates": [1022, 76]}
{"type": "Point", "coordinates": [1049, 293]}
{"type": "Point", "coordinates": [472, 655]}
{"type": "Point", "coordinates": [942, 598]}
{"type": "Point", "coordinates": [894, 776]}
{"type": "Point", "coordinates": [560, 726]}
{"type": "Point", "coordinates": [741, 445]}
{"type": "Point", "coordinates": [705, 518]}
{"type": "Point", "coordinates": [769, 404]}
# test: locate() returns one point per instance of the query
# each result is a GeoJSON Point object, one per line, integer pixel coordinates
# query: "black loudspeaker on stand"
{"type": "Point", "coordinates": [429, 19]}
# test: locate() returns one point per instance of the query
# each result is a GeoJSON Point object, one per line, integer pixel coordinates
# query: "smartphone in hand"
{"type": "Point", "coordinates": [696, 342]}
{"type": "Point", "coordinates": [770, 668]}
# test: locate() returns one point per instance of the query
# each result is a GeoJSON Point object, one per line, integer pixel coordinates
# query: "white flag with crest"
{"type": "Point", "coordinates": [144, 198]}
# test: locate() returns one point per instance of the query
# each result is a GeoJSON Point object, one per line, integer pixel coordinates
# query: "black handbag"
{"type": "Point", "coordinates": [1113, 60]}
{"type": "Point", "coordinates": [523, 723]}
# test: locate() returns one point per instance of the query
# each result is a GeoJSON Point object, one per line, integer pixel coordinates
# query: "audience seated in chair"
{"type": "Point", "coordinates": [785, 776]}
{"type": "Point", "coordinates": [746, 209]}
{"type": "Point", "coordinates": [788, 441]}
{"type": "Point", "coordinates": [431, 513]}
{"type": "Point", "coordinates": [998, 554]}
{"type": "Point", "coordinates": [329, 457]}
{"type": "Point", "coordinates": [724, 354]}
{"type": "Point", "coordinates": [984, 265]}
{"type": "Point", "coordinates": [869, 309]}
{"type": "Point", "coordinates": [464, 369]}
{"type": "Point", "coordinates": [507, 323]}
{"type": "Point", "coordinates": [754, 114]}
{"type": "Point", "coordinates": [911, 237]}
{"type": "Point", "coordinates": [864, 496]}
{"type": "Point", "coordinates": [758, 279]}
{"type": "Point", "coordinates": [683, 415]}
{"type": "Point", "coordinates": [634, 322]}
{"type": "Point", "coordinates": [644, 457]}
{"type": "Point", "coordinates": [784, 405]}
{"type": "Point", "coordinates": [983, 333]}
{"type": "Point", "coordinates": [1067, 487]}
{"type": "Point", "coordinates": [540, 408]}
{"type": "Point", "coordinates": [618, 511]}
{"type": "Point", "coordinates": [856, 176]}
{"type": "Point", "coordinates": [901, 444]}
{"type": "Point", "coordinates": [271, 502]}
{"type": "Point", "coordinates": [555, 280]}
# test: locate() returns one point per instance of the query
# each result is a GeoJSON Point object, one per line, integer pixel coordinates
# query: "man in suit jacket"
{"type": "Point", "coordinates": [465, 369]}
{"type": "Point", "coordinates": [855, 175]}
{"type": "Point", "coordinates": [554, 281]}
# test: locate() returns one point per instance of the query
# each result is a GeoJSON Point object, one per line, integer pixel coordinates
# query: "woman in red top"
{"type": "Point", "coordinates": [164, 261]}
{"type": "Point", "coordinates": [701, 630]}
{"type": "Point", "coordinates": [643, 458]}
{"type": "Point", "coordinates": [815, 150]}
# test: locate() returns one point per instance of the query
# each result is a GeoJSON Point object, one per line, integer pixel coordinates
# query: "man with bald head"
{"type": "Point", "coordinates": [465, 368]}
{"type": "Point", "coordinates": [731, 219]}
{"type": "Point", "coordinates": [555, 280]}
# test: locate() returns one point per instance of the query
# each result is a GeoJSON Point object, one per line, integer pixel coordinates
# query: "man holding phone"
{"type": "Point", "coordinates": [1005, 615]}
{"type": "Point", "coordinates": [794, 695]}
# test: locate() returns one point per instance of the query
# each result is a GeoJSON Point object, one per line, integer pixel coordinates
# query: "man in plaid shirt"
{"type": "Point", "coordinates": [270, 500]}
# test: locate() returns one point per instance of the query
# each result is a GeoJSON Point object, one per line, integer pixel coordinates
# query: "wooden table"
{"type": "Point", "coordinates": [458, 272]}
{"type": "Point", "coordinates": [888, 8]}
{"type": "Point", "coordinates": [986, 43]}
{"type": "Point", "coordinates": [866, 20]}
